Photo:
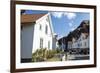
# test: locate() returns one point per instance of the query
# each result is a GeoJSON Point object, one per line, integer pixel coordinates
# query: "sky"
{"type": "Point", "coordinates": [63, 22]}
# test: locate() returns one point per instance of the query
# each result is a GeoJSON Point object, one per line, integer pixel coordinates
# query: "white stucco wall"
{"type": "Point", "coordinates": [80, 43]}
{"type": "Point", "coordinates": [69, 45]}
{"type": "Point", "coordinates": [41, 33]}
{"type": "Point", "coordinates": [84, 42]}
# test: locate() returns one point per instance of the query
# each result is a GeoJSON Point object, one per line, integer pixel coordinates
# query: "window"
{"type": "Point", "coordinates": [78, 45]}
{"type": "Point", "coordinates": [40, 27]}
{"type": "Point", "coordinates": [41, 42]}
{"type": "Point", "coordinates": [81, 44]}
{"type": "Point", "coordinates": [84, 43]}
{"type": "Point", "coordinates": [47, 19]}
{"type": "Point", "coordinates": [80, 39]}
{"type": "Point", "coordinates": [48, 44]}
{"type": "Point", "coordinates": [46, 29]}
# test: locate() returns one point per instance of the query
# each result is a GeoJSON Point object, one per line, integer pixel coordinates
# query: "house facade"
{"type": "Point", "coordinates": [77, 41]}
{"type": "Point", "coordinates": [81, 42]}
{"type": "Point", "coordinates": [36, 33]}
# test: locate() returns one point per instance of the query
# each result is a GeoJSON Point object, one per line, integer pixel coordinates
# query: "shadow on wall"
{"type": "Point", "coordinates": [27, 35]}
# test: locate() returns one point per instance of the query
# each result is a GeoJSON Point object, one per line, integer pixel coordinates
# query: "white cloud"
{"type": "Point", "coordinates": [70, 24]}
{"type": "Point", "coordinates": [72, 28]}
{"type": "Point", "coordinates": [70, 15]}
{"type": "Point", "coordinates": [57, 14]}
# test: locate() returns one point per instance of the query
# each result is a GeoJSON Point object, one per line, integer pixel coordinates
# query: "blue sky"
{"type": "Point", "coordinates": [64, 22]}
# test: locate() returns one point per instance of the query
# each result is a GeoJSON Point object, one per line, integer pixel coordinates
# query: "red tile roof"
{"type": "Point", "coordinates": [29, 18]}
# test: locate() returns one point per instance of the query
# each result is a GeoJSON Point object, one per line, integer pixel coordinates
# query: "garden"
{"type": "Point", "coordinates": [44, 54]}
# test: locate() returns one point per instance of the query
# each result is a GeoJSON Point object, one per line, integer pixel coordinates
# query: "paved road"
{"type": "Point", "coordinates": [77, 57]}
{"type": "Point", "coordinates": [71, 57]}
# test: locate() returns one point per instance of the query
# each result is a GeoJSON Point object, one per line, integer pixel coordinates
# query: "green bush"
{"type": "Point", "coordinates": [43, 54]}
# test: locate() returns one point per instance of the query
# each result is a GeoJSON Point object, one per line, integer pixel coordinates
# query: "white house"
{"type": "Point", "coordinates": [80, 44]}
{"type": "Point", "coordinates": [83, 41]}
{"type": "Point", "coordinates": [78, 40]}
{"type": "Point", "coordinates": [36, 32]}
{"type": "Point", "coordinates": [69, 44]}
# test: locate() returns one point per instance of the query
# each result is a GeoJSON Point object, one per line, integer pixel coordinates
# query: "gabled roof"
{"type": "Point", "coordinates": [29, 18]}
